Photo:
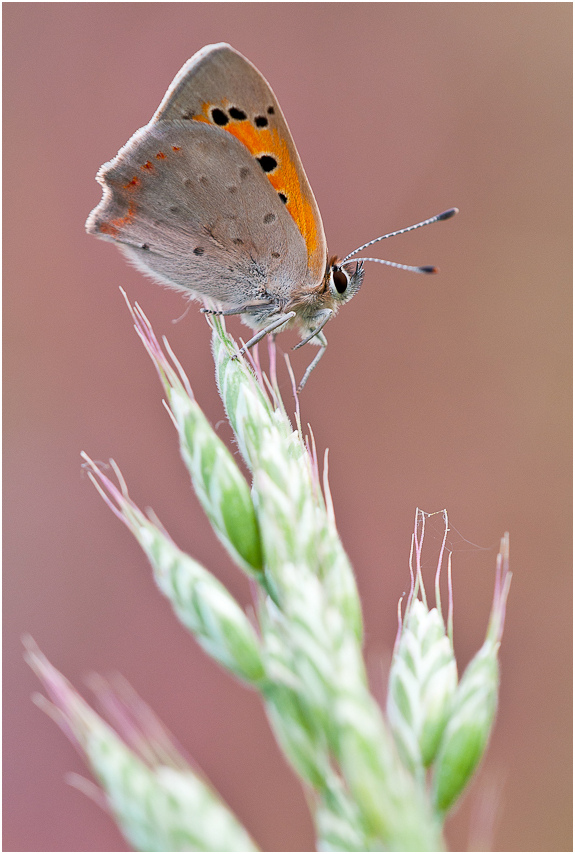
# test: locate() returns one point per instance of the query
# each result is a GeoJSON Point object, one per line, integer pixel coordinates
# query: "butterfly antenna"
{"type": "Point", "coordinates": [425, 269]}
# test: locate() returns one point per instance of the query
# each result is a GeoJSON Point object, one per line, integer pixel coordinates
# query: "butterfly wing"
{"type": "Point", "coordinates": [211, 196]}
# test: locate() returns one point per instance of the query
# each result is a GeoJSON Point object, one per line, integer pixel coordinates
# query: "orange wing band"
{"type": "Point", "coordinates": [284, 178]}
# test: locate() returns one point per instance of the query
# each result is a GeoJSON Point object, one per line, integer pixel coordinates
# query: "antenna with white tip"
{"type": "Point", "coordinates": [425, 269]}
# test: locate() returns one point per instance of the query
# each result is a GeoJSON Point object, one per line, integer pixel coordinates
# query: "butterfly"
{"type": "Point", "coordinates": [211, 197]}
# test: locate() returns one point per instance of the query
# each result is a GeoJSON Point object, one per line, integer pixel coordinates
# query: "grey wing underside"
{"type": "Point", "coordinates": [218, 70]}
{"type": "Point", "coordinates": [189, 204]}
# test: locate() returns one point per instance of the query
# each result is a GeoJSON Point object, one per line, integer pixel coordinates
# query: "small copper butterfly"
{"type": "Point", "coordinates": [211, 197]}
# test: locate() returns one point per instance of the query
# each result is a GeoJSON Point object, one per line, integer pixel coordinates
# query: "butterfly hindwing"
{"type": "Point", "coordinates": [176, 218]}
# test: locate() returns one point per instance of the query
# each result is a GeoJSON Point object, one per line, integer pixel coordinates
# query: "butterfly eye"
{"type": "Point", "coordinates": [345, 283]}
{"type": "Point", "coordinates": [339, 280]}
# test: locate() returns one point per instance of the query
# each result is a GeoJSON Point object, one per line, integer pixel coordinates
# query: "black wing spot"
{"type": "Point", "coordinates": [219, 117]}
{"type": "Point", "coordinates": [271, 111]}
{"type": "Point", "coordinates": [283, 197]}
{"type": "Point", "coordinates": [199, 250]}
{"type": "Point", "coordinates": [269, 217]}
{"type": "Point", "coordinates": [267, 162]}
{"type": "Point", "coordinates": [261, 122]}
{"type": "Point", "coordinates": [244, 172]}
{"type": "Point", "coordinates": [145, 246]}
{"type": "Point", "coordinates": [238, 115]}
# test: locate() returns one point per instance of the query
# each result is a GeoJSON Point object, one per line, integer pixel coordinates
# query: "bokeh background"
{"type": "Point", "coordinates": [451, 391]}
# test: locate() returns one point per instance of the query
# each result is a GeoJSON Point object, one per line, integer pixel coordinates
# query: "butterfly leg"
{"type": "Point", "coordinates": [242, 309]}
{"type": "Point", "coordinates": [323, 345]}
{"type": "Point", "coordinates": [279, 321]}
{"type": "Point", "coordinates": [325, 315]}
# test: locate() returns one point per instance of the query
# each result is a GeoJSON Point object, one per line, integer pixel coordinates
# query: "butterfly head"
{"type": "Point", "coordinates": [344, 280]}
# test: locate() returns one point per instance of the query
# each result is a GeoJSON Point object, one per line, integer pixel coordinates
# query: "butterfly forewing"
{"type": "Point", "coordinates": [211, 196]}
{"type": "Point", "coordinates": [220, 86]}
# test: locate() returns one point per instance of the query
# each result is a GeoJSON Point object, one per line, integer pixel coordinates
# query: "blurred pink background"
{"type": "Point", "coordinates": [451, 391]}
